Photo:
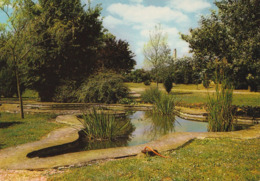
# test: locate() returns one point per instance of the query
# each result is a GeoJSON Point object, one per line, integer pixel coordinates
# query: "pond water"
{"type": "Point", "coordinates": [147, 127]}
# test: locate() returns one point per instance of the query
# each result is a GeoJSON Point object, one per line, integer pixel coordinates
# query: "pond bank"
{"type": "Point", "coordinates": [15, 157]}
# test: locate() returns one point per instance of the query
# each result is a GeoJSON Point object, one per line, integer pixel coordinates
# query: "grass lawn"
{"type": "Point", "coordinates": [208, 159]}
{"type": "Point", "coordinates": [15, 131]}
{"type": "Point", "coordinates": [190, 93]}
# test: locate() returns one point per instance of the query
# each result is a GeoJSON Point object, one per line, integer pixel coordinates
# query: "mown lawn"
{"type": "Point", "coordinates": [208, 159]}
{"type": "Point", "coordinates": [190, 93]}
{"type": "Point", "coordinates": [15, 131]}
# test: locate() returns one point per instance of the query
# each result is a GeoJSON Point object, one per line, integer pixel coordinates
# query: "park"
{"type": "Point", "coordinates": [76, 104]}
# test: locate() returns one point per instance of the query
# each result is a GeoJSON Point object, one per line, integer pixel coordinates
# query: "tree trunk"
{"type": "Point", "coordinates": [19, 93]}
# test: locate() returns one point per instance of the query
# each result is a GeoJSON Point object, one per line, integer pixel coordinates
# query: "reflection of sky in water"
{"type": "Point", "coordinates": [150, 128]}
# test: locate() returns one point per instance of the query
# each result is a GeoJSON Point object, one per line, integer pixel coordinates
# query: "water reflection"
{"type": "Point", "coordinates": [160, 124]}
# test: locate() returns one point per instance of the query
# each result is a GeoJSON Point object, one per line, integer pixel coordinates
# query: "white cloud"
{"type": "Point", "coordinates": [136, 1]}
{"type": "Point", "coordinates": [189, 5]}
{"type": "Point", "coordinates": [111, 21]}
{"type": "Point", "coordinates": [146, 14]}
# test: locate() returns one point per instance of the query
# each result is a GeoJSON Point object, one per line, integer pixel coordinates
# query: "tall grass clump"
{"type": "Point", "coordinates": [219, 106]}
{"type": "Point", "coordinates": [101, 126]}
{"type": "Point", "coordinates": [165, 104]}
{"type": "Point", "coordinates": [149, 95]}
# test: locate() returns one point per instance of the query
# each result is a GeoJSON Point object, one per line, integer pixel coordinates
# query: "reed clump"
{"type": "Point", "coordinates": [165, 104]}
{"type": "Point", "coordinates": [220, 109]}
{"type": "Point", "coordinates": [102, 126]}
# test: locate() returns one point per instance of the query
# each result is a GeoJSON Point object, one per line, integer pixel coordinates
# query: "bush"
{"type": "Point", "coordinates": [168, 84]}
{"type": "Point", "coordinates": [150, 94]}
{"type": "Point", "coordinates": [126, 101]}
{"type": "Point", "coordinates": [103, 88]}
{"type": "Point", "coordinates": [66, 92]}
{"type": "Point", "coordinates": [101, 126]}
{"type": "Point", "coordinates": [147, 82]}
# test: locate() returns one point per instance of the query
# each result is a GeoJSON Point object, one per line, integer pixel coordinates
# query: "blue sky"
{"type": "Point", "coordinates": [132, 20]}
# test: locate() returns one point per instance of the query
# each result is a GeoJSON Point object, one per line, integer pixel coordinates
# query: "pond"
{"type": "Point", "coordinates": [146, 127]}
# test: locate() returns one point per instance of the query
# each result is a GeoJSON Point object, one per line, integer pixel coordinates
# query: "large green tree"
{"type": "Point", "coordinates": [233, 33]}
{"type": "Point", "coordinates": [116, 55]}
{"type": "Point", "coordinates": [72, 37]}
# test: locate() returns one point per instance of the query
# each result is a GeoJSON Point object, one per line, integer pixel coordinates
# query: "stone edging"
{"type": "Point", "coordinates": [15, 157]}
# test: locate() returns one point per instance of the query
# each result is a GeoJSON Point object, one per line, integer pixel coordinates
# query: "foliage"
{"type": "Point", "coordinates": [101, 126]}
{"type": "Point", "coordinates": [138, 75]}
{"type": "Point", "coordinates": [147, 82]}
{"type": "Point", "coordinates": [66, 92]}
{"type": "Point", "coordinates": [149, 95]}
{"type": "Point", "coordinates": [219, 107]}
{"type": "Point", "coordinates": [168, 84]}
{"type": "Point", "coordinates": [104, 88]}
{"type": "Point", "coordinates": [231, 32]}
{"type": "Point", "coordinates": [156, 51]}
{"type": "Point", "coordinates": [127, 101]}
{"type": "Point", "coordinates": [71, 36]}
{"type": "Point", "coordinates": [205, 81]}
{"type": "Point", "coordinates": [116, 55]}
{"type": "Point", "coordinates": [165, 104]}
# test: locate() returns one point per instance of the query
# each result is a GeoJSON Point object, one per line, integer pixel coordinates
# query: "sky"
{"type": "Point", "coordinates": [133, 20]}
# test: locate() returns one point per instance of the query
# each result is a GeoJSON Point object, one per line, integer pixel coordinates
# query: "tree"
{"type": "Point", "coordinates": [72, 37]}
{"type": "Point", "coordinates": [116, 55]}
{"type": "Point", "coordinates": [231, 33]}
{"type": "Point", "coordinates": [168, 84]}
{"type": "Point", "coordinates": [17, 43]}
{"type": "Point", "coordinates": [156, 51]}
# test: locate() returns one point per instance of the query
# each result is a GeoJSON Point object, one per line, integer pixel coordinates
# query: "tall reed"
{"type": "Point", "coordinates": [219, 107]}
{"type": "Point", "coordinates": [165, 104]}
{"type": "Point", "coordinates": [101, 126]}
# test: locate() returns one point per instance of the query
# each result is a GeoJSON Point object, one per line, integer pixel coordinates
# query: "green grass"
{"type": "Point", "coordinates": [190, 94]}
{"type": "Point", "coordinates": [15, 131]}
{"type": "Point", "coordinates": [208, 159]}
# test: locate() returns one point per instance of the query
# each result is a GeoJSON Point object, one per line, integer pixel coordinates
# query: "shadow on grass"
{"type": "Point", "coordinates": [8, 124]}
{"type": "Point", "coordinates": [181, 93]}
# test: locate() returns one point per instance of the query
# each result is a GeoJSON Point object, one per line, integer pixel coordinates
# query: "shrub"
{"type": "Point", "coordinates": [205, 82]}
{"type": "Point", "coordinates": [126, 101]}
{"type": "Point", "coordinates": [101, 126]}
{"type": "Point", "coordinates": [103, 88]}
{"type": "Point", "coordinates": [147, 82]}
{"type": "Point", "coordinates": [66, 92]}
{"type": "Point", "coordinates": [219, 107]}
{"type": "Point", "coordinates": [167, 83]}
{"type": "Point", "coordinates": [164, 104]}
{"type": "Point", "coordinates": [150, 94]}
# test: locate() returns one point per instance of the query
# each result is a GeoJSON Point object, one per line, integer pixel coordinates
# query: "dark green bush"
{"type": "Point", "coordinates": [147, 82]}
{"type": "Point", "coordinates": [149, 95]}
{"type": "Point", "coordinates": [167, 83]}
{"type": "Point", "coordinates": [66, 92]}
{"type": "Point", "coordinates": [103, 88]}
